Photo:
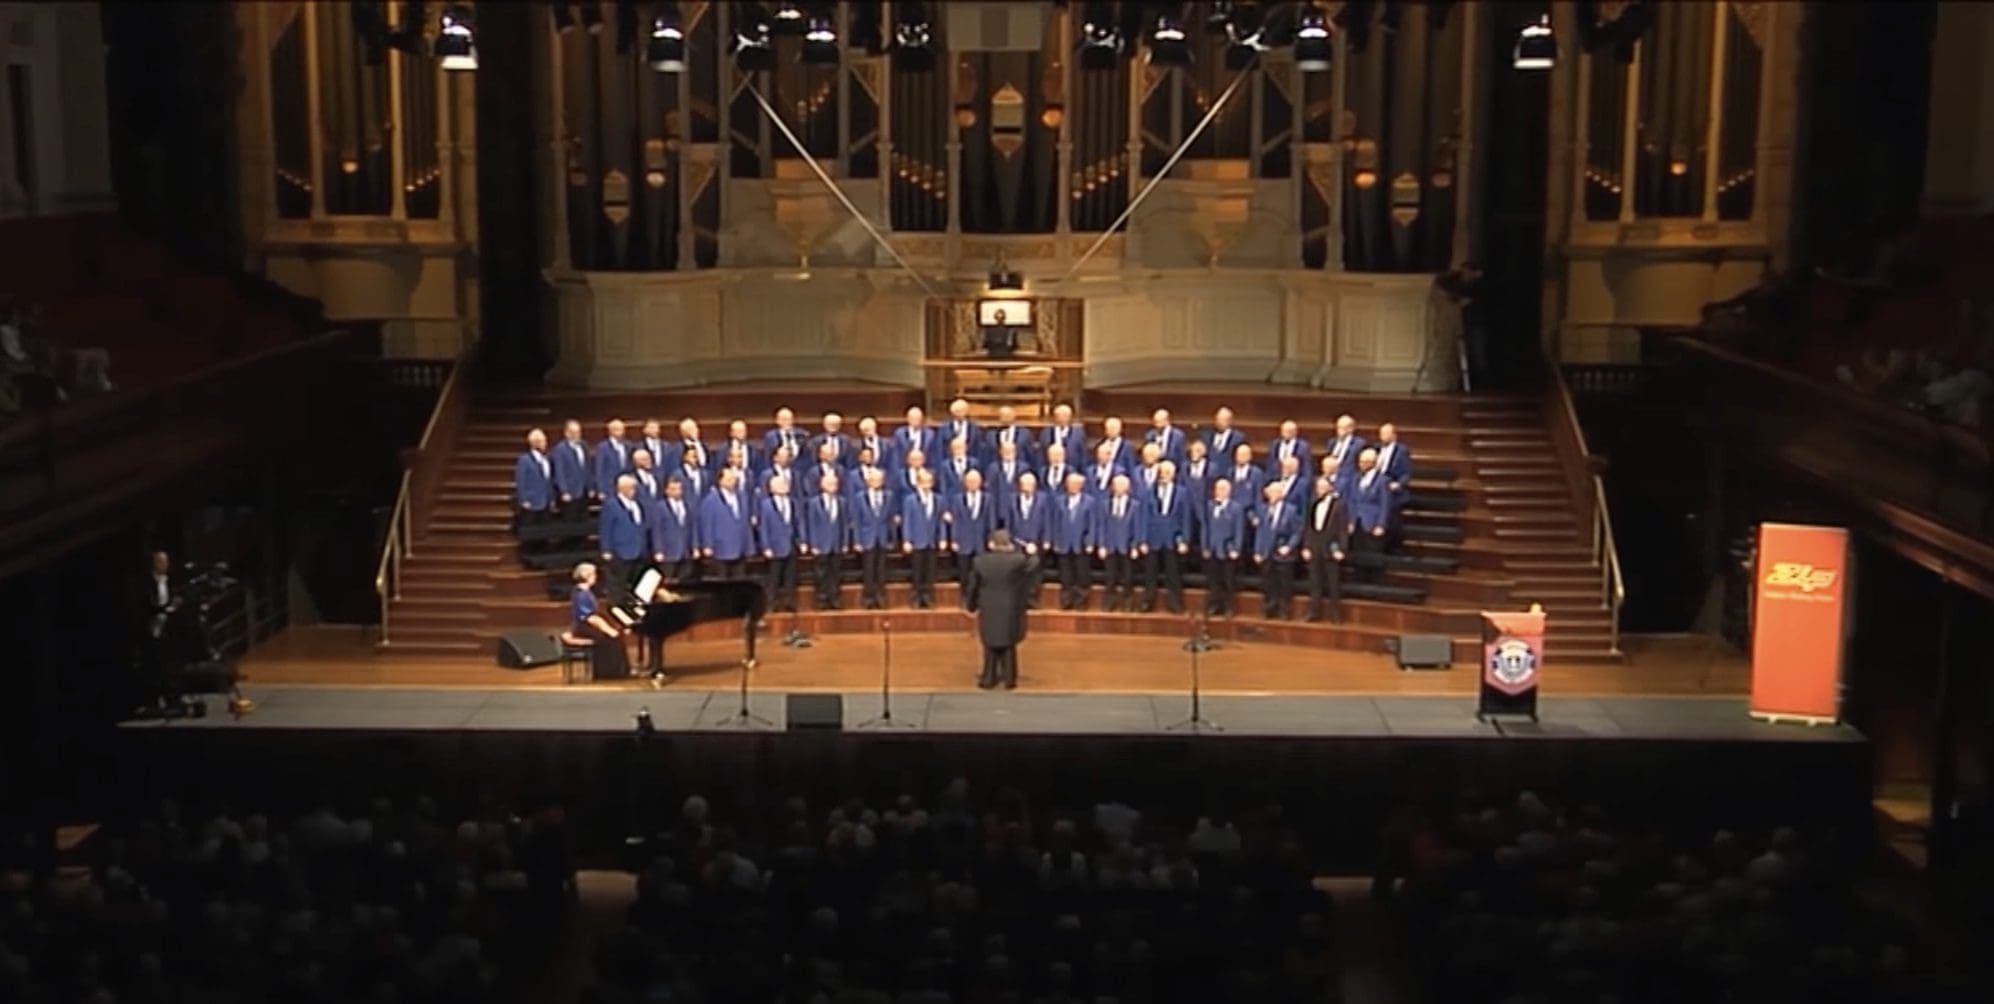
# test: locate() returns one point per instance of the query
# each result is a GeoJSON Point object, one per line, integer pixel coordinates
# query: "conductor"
{"type": "Point", "coordinates": [1000, 582]}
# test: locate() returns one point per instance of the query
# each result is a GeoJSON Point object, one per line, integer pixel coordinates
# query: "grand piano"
{"type": "Point", "coordinates": [657, 611]}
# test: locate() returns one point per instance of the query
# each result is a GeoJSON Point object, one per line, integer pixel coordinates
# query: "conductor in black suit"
{"type": "Point", "coordinates": [1000, 581]}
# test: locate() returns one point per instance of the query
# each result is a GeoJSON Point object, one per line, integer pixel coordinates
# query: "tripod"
{"type": "Point", "coordinates": [1197, 722]}
{"type": "Point", "coordinates": [744, 717]}
{"type": "Point", "coordinates": [885, 719]}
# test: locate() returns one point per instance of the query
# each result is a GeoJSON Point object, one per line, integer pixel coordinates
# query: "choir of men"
{"type": "Point", "coordinates": [1146, 510]}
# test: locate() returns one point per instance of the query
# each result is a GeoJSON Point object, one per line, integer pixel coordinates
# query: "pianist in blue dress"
{"type": "Point", "coordinates": [589, 624]}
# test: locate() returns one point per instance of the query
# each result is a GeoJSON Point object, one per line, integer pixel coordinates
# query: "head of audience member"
{"type": "Point", "coordinates": [785, 419]}
{"type": "Point", "coordinates": [536, 440]}
{"type": "Point", "coordinates": [1367, 460]}
{"type": "Point", "coordinates": [972, 483]}
{"type": "Point", "coordinates": [1111, 427]}
{"type": "Point", "coordinates": [834, 423]}
{"type": "Point", "coordinates": [615, 429]}
{"type": "Point", "coordinates": [1346, 426]}
{"type": "Point", "coordinates": [571, 431]}
{"type": "Point", "coordinates": [1222, 419]}
{"type": "Point", "coordinates": [1388, 434]}
{"type": "Point", "coordinates": [730, 479]}
{"type": "Point", "coordinates": [828, 484]}
{"type": "Point", "coordinates": [1221, 490]}
{"type": "Point", "coordinates": [1291, 466]}
{"type": "Point", "coordinates": [916, 418]}
{"type": "Point", "coordinates": [1166, 471]}
{"type": "Point", "coordinates": [585, 574]}
{"type": "Point", "coordinates": [959, 410]}
{"type": "Point", "coordinates": [1275, 492]}
{"type": "Point", "coordinates": [1324, 487]}
{"type": "Point", "coordinates": [1119, 486]}
{"type": "Point", "coordinates": [1289, 430]}
{"type": "Point", "coordinates": [1194, 450]}
{"type": "Point", "coordinates": [916, 460]}
{"type": "Point", "coordinates": [1076, 483]}
{"type": "Point", "coordinates": [1006, 415]}
{"type": "Point", "coordinates": [1242, 455]}
{"type": "Point", "coordinates": [689, 430]}
{"type": "Point", "coordinates": [1028, 483]}
{"type": "Point", "coordinates": [1055, 455]}
{"type": "Point", "coordinates": [1062, 415]}
{"type": "Point", "coordinates": [1151, 454]}
{"type": "Point", "coordinates": [626, 486]}
{"type": "Point", "coordinates": [737, 431]}
{"type": "Point", "coordinates": [654, 429]}
{"type": "Point", "coordinates": [640, 458]}
{"type": "Point", "coordinates": [778, 485]}
{"type": "Point", "coordinates": [1160, 419]}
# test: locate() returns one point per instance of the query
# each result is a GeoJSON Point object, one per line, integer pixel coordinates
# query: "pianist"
{"type": "Point", "coordinates": [607, 660]}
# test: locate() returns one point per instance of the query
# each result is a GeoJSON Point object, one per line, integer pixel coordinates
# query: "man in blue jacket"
{"type": "Point", "coordinates": [612, 458]}
{"type": "Point", "coordinates": [873, 526]}
{"type": "Point", "coordinates": [1224, 540]}
{"type": "Point", "coordinates": [726, 532]}
{"type": "Point", "coordinates": [674, 540]}
{"type": "Point", "coordinates": [829, 533]}
{"type": "Point", "coordinates": [622, 533]}
{"type": "Point", "coordinates": [571, 472]}
{"type": "Point", "coordinates": [1074, 532]}
{"type": "Point", "coordinates": [1028, 516]}
{"type": "Point", "coordinates": [971, 515]}
{"type": "Point", "coordinates": [778, 525]}
{"type": "Point", "coordinates": [1166, 539]}
{"type": "Point", "coordinates": [1276, 539]}
{"type": "Point", "coordinates": [922, 533]}
{"type": "Point", "coordinates": [1120, 543]}
{"type": "Point", "coordinates": [1246, 476]}
{"type": "Point", "coordinates": [533, 489]}
{"type": "Point", "coordinates": [1371, 517]}
{"type": "Point", "coordinates": [1066, 434]}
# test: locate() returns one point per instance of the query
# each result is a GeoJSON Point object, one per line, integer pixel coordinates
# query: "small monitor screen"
{"type": "Point", "coordinates": [1004, 313]}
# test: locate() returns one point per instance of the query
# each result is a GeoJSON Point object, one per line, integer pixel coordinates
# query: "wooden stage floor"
{"type": "Point", "coordinates": [1675, 666]}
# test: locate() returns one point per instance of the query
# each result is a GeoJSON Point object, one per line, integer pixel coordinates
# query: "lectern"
{"type": "Point", "coordinates": [1512, 660]}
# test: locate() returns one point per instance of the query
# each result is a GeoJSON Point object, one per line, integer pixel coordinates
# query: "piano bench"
{"type": "Point", "coordinates": [575, 652]}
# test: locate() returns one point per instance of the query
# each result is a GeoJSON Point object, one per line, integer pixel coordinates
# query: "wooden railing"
{"type": "Point", "coordinates": [1587, 490]}
{"type": "Point", "coordinates": [423, 467]}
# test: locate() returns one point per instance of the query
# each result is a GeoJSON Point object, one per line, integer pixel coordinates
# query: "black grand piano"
{"type": "Point", "coordinates": [657, 610]}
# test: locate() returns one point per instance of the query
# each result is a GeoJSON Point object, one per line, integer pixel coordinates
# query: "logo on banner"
{"type": "Point", "coordinates": [1512, 662]}
{"type": "Point", "coordinates": [1788, 576]}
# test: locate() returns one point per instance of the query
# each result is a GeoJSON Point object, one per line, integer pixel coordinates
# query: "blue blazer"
{"type": "Point", "coordinates": [1221, 444]}
{"type": "Point", "coordinates": [906, 440]}
{"type": "Point", "coordinates": [673, 538]}
{"type": "Point", "coordinates": [1300, 490]}
{"type": "Point", "coordinates": [1075, 527]}
{"type": "Point", "coordinates": [844, 455]}
{"type": "Point", "coordinates": [1273, 531]}
{"type": "Point", "coordinates": [971, 534]}
{"type": "Point", "coordinates": [774, 536]}
{"type": "Point", "coordinates": [608, 465]}
{"type": "Point", "coordinates": [697, 483]}
{"type": "Point", "coordinates": [659, 449]}
{"type": "Point", "coordinates": [1165, 530]}
{"type": "Point", "coordinates": [968, 429]}
{"type": "Point", "coordinates": [1035, 527]}
{"type": "Point", "coordinates": [532, 488]}
{"type": "Point", "coordinates": [795, 487]}
{"type": "Point", "coordinates": [652, 492]}
{"type": "Point", "coordinates": [947, 481]}
{"type": "Point", "coordinates": [1370, 508]}
{"type": "Point", "coordinates": [825, 534]}
{"type": "Point", "coordinates": [1224, 526]}
{"type": "Point", "coordinates": [1027, 443]}
{"type": "Point", "coordinates": [1000, 485]}
{"type": "Point", "coordinates": [1272, 460]}
{"type": "Point", "coordinates": [1094, 472]}
{"type": "Point", "coordinates": [1127, 453]}
{"type": "Point", "coordinates": [572, 474]}
{"type": "Point", "coordinates": [799, 442]}
{"type": "Point", "coordinates": [1245, 485]}
{"type": "Point", "coordinates": [1399, 469]}
{"type": "Point", "coordinates": [729, 536]}
{"type": "Point", "coordinates": [1170, 439]}
{"type": "Point", "coordinates": [885, 453]}
{"type": "Point", "coordinates": [920, 528]}
{"type": "Point", "coordinates": [678, 450]}
{"type": "Point", "coordinates": [621, 535]}
{"type": "Point", "coordinates": [1073, 437]}
{"type": "Point", "coordinates": [1348, 460]}
{"type": "Point", "coordinates": [874, 527]}
{"type": "Point", "coordinates": [1056, 485]}
{"type": "Point", "coordinates": [758, 459]}
{"type": "Point", "coordinates": [1123, 535]}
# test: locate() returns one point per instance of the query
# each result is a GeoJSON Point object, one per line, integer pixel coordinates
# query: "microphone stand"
{"type": "Point", "coordinates": [1202, 640]}
{"type": "Point", "coordinates": [1197, 722]}
{"type": "Point", "coordinates": [744, 717]}
{"type": "Point", "coordinates": [885, 719]}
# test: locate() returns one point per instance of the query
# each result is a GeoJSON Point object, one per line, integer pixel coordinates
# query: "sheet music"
{"type": "Point", "coordinates": [648, 584]}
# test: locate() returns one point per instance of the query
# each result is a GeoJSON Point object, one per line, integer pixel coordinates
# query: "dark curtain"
{"type": "Point", "coordinates": [1009, 192]}
{"type": "Point", "coordinates": [1673, 132]}
{"type": "Point", "coordinates": [1403, 91]}
{"type": "Point", "coordinates": [510, 289]}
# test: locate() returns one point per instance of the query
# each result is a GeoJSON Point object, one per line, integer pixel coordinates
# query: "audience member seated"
{"type": "Point", "coordinates": [971, 901]}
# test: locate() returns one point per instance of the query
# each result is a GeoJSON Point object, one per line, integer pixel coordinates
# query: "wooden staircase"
{"type": "Point", "coordinates": [1493, 515]}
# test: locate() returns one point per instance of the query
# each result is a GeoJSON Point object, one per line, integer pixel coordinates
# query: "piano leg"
{"type": "Point", "coordinates": [654, 661]}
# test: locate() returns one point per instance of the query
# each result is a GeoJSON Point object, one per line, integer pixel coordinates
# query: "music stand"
{"type": "Point", "coordinates": [885, 719]}
{"type": "Point", "coordinates": [1197, 722]}
{"type": "Point", "coordinates": [743, 716]}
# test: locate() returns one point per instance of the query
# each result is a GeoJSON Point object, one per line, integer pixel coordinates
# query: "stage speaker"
{"type": "Point", "coordinates": [527, 649]}
{"type": "Point", "coordinates": [816, 712]}
{"type": "Point", "coordinates": [1424, 651]}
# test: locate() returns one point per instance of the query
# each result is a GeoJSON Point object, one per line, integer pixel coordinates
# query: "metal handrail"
{"type": "Point", "coordinates": [1607, 553]}
{"type": "Point", "coordinates": [399, 546]}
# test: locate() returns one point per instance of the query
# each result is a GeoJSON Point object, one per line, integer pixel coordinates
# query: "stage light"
{"type": "Point", "coordinates": [788, 20]}
{"type": "Point", "coordinates": [753, 49]}
{"type": "Point", "coordinates": [913, 38]}
{"type": "Point", "coordinates": [1167, 46]}
{"type": "Point", "coordinates": [1101, 42]}
{"type": "Point", "coordinates": [1246, 38]}
{"type": "Point", "coordinates": [820, 43]}
{"type": "Point", "coordinates": [666, 49]}
{"type": "Point", "coordinates": [1218, 17]}
{"type": "Point", "coordinates": [1313, 51]}
{"type": "Point", "coordinates": [1536, 47]}
{"type": "Point", "coordinates": [456, 45]}
{"type": "Point", "coordinates": [591, 14]}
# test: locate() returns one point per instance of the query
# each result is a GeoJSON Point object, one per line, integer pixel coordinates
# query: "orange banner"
{"type": "Point", "coordinates": [1802, 577]}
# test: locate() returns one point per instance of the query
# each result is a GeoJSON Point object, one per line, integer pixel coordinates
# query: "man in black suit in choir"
{"type": "Point", "coordinates": [1000, 581]}
{"type": "Point", "coordinates": [1325, 540]}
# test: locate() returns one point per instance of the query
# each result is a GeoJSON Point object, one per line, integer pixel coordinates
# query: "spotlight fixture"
{"type": "Point", "coordinates": [1218, 17]}
{"type": "Point", "coordinates": [1312, 49]}
{"type": "Point", "coordinates": [1536, 47]}
{"type": "Point", "coordinates": [788, 20]}
{"type": "Point", "coordinates": [820, 43]}
{"type": "Point", "coordinates": [666, 49]}
{"type": "Point", "coordinates": [456, 45]}
{"type": "Point", "coordinates": [753, 49]}
{"type": "Point", "coordinates": [1167, 46]}
{"type": "Point", "coordinates": [1101, 42]}
{"type": "Point", "coordinates": [913, 38]}
{"type": "Point", "coordinates": [1246, 38]}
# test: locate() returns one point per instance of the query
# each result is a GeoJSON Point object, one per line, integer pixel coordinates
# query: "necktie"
{"type": "Point", "coordinates": [958, 467]}
{"type": "Point", "coordinates": [1105, 471]}
{"type": "Point", "coordinates": [973, 507]}
{"type": "Point", "coordinates": [1218, 511]}
{"type": "Point", "coordinates": [620, 458]}
{"type": "Point", "coordinates": [1166, 500]}
{"type": "Point", "coordinates": [678, 510]}
{"type": "Point", "coordinates": [875, 502]}
{"type": "Point", "coordinates": [541, 459]}
{"type": "Point", "coordinates": [782, 506]}
{"type": "Point", "coordinates": [831, 506]}
{"type": "Point", "coordinates": [1072, 503]}
{"type": "Point", "coordinates": [1274, 515]}
{"type": "Point", "coordinates": [733, 506]}
{"type": "Point", "coordinates": [1121, 505]}
{"type": "Point", "coordinates": [1025, 507]}
{"type": "Point", "coordinates": [579, 455]}
{"type": "Point", "coordinates": [927, 505]}
{"type": "Point", "coordinates": [1008, 476]}
{"type": "Point", "coordinates": [635, 516]}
